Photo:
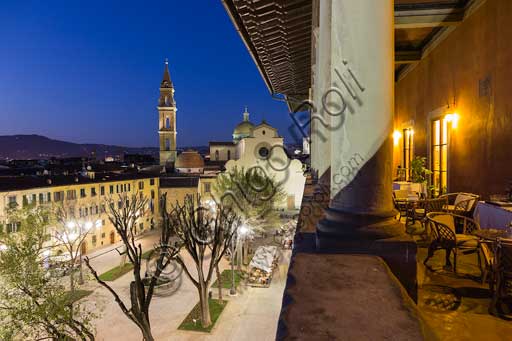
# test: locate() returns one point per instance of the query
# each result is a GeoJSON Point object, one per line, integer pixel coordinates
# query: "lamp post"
{"type": "Point", "coordinates": [87, 226]}
{"type": "Point", "coordinates": [82, 229]}
{"type": "Point", "coordinates": [243, 231]}
{"type": "Point", "coordinates": [239, 235]}
{"type": "Point", "coordinates": [232, 290]}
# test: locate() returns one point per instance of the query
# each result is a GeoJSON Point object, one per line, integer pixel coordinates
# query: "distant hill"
{"type": "Point", "coordinates": [41, 147]}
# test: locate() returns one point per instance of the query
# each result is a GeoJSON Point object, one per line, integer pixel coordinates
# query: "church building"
{"type": "Point", "coordinates": [261, 146]}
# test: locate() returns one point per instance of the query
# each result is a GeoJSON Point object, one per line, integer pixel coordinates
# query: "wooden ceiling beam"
{"type": "Point", "coordinates": [427, 18]}
{"type": "Point", "coordinates": [407, 57]}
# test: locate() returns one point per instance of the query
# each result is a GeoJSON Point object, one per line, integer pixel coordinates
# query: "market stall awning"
{"type": "Point", "coordinates": [263, 258]}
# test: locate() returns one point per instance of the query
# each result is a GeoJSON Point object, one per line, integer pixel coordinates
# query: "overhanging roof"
{"type": "Point", "coordinates": [278, 35]}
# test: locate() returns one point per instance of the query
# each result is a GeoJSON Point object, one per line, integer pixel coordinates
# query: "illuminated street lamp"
{"type": "Point", "coordinates": [242, 232]}
{"type": "Point", "coordinates": [78, 230]}
{"type": "Point", "coordinates": [232, 290]}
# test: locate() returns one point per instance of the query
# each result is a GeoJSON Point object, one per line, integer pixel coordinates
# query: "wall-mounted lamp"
{"type": "Point", "coordinates": [453, 118]}
{"type": "Point", "coordinates": [396, 137]}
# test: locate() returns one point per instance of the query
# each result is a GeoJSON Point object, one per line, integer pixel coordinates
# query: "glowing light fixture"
{"type": "Point", "coordinates": [67, 238]}
{"type": "Point", "coordinates": [453, 118]}
{"type": "Point", "coordinates": [88, 225]}
{"type": "Point", "coordinates": [243, 230]}
{"type": "Point", "coordinates": [212, 206]}
{"type": "Point", "coordinates": [396, 137]}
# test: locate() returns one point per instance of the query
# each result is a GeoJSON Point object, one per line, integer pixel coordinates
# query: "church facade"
{"type": "Point", "coordinates": [260, 146]}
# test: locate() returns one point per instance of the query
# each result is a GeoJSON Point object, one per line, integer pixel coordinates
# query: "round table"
{"type": "Point", "coordinates": [493, 234]}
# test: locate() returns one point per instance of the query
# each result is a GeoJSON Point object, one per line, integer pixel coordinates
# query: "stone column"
{"type": "Point", "coordinates": [360, 104]}
{"type": "Point", "coordinates": [320, 121]}
{"type": "Point", "coordinates": [321, 79]}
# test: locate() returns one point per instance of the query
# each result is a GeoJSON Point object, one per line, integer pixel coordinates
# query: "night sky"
{"type": "Point", "coordinates": [89, 71]}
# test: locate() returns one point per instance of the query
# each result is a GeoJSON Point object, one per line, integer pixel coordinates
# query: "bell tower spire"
{"type": "Point", "coordinates": [167, 119]}
{"type": "Point", "coordinates": [246, 115]}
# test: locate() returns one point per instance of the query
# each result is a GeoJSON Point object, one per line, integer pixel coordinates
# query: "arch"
{"type": "Point", "coordinates": [83, 248]}
{"type": "Point", "coordinates": [229, 154]}
{"type": "Point", "coordinates": [167, 144]}
{"type": "Point", "coordinates": [167, 122]}
{"type": "Point", "coordinates": [217, 155]}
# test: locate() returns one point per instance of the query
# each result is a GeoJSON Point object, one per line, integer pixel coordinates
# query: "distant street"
{"type": "Point", "coordinates": [106, 258]}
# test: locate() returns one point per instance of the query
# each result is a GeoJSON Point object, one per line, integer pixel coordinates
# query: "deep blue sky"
{"type": "Point", "coordinates": [89, 71]}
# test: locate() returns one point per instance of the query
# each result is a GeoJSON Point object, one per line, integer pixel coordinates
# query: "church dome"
{"type": "Point", "coordinates": [244, 128]}
{"type": "Point", "coordinates": [189, 159]}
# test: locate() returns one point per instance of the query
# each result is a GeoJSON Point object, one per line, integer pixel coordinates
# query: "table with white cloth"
{"type": "Point", "coordinates": [492, 216]}
{"type": "Point", "coordinates": [407, 186]}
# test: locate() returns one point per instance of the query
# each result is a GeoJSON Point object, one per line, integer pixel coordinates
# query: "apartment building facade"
{"type": "Point", "coordinates": [84, 199]}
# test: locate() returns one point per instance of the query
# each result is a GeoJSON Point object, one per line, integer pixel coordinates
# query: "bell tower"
{"type": "Point", "coordinates": [167, 119]}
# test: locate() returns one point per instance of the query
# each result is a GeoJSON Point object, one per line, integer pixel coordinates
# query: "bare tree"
{"type": "Point", "coordinates": [124, 215]}
{"type": "Point", "coordinates": [201, 232]}
{"type": "Point", "coordinates": [219, 280]}
{"type": "Point", "coordinates": [71, 234]}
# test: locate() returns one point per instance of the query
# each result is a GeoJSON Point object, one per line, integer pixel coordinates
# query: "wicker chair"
{"type": "Point", "coordinates": [486, 247]}
{"type": "Point", "coordinates": [460, 203]}
{"type": "Point", "coordinates": [501, 277]}
{"type": "Point", "coordinates": [400, 198]}
{"type": "Point", "coordinates": [444, 237]}
{"type": "Point", "coordinates": [420, 209]}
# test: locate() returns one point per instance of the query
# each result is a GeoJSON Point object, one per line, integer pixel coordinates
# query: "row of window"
{"type": "Point", "coordinates": [217, 155]}
{"type": "Point", "coordinates": [44, 198]}
{"type": "Point", "coordinates": [10, 227]}
{"type": "Point", "coordinates": [86, 211]}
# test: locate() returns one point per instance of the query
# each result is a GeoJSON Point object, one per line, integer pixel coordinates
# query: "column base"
{"type": "Point", "coordinates": [339, 224]}
{"type": "Point", "coordinates": [374, 234]}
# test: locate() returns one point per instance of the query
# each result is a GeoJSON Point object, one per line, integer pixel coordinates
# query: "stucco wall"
{"type": "Point", "coordinates": [102, 225]}
{"type": "Point", "coordinates": [223, 152]}
{"type": "Point", "coordinates": [480, 147]}
{"type": "Point", "coordinates": [178, 194]}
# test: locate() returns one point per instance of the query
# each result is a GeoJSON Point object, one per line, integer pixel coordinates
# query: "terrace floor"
{"type": "Point", "coordinates": [455, 306]}
{"type": "Point", "coordinates": [450, 306]}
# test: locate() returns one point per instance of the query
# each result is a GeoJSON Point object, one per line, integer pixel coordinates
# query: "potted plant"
{"type": "Point", "coordinates": [420, 173]}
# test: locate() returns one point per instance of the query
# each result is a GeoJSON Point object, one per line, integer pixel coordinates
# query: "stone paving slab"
{"type": "Point", "coordinates": [455, 306]}
{"type": "Point", "coordinates": [347, 297]}
{"type": "Point", "coordinates": [251, 316]}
